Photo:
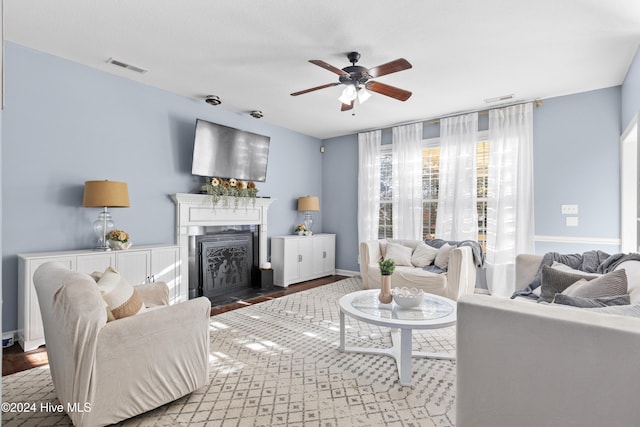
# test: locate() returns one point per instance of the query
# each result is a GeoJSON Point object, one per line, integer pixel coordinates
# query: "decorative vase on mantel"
{"type": "Point", "coordinates": [386, 270]}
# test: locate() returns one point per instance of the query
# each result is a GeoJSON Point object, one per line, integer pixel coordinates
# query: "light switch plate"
{"type": "Point", "coordinates": [570, 209]}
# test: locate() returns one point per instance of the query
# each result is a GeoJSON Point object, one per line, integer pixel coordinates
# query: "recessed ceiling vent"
{"type": "Point", "coordinates": [499, 99]}
{"type": "Point", "coordinates": [127, 66]}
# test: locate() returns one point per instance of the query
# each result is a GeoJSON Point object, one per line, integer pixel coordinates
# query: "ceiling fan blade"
{"type": "Point", "coordinates": [329, 67]}
{"type": "Point", "coordinates": [389, 67]}
{"type": "Point", "coordinates": [315, 88]}
{"type": "Point", "coordinates": [392, 91]}
{"type": "Point", "coordinates": [346, 107]}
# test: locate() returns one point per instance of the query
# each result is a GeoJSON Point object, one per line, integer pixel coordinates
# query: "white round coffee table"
{"type": "Point", "coordinates": [435, 312]}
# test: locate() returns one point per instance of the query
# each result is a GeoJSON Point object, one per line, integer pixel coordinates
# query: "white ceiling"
{"type": "Point", "coordinates": [253, 54]}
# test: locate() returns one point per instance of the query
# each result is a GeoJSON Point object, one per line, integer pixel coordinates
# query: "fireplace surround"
{"type": "Point", "coordinates": [195, 212]}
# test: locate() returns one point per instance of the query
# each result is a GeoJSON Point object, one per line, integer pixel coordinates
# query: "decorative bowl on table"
{"type": "Point", "coordinates": [407, 298]}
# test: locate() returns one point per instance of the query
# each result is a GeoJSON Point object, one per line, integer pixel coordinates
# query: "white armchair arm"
{"type": "Point", "coordinates": [461, 272]}
{"type": "Point", "coordinates": [154, 294]}
{"type": "Point", "coordinates": [369, 253]}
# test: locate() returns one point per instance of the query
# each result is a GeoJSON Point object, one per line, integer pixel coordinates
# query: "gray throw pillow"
{"type": "Point", "coordinates": [611, 284]}
{"type": "Point", "coordinates": [592, 302]}
{"type": "Point", "coordinates": [555, 281]}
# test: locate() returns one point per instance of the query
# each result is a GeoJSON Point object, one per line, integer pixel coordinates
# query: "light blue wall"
{"type": "Point", "coordinates": [575, 162]}
{"type": "Point", "coordinates": [631, 92]}
{"type": "Point", "coordinates": [340, 206]}
{"type": "Point", "coordinates": [65, 123]}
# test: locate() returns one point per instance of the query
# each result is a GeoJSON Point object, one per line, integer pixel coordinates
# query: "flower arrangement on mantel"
{"type": "Point", "coordinates": [227, 190]}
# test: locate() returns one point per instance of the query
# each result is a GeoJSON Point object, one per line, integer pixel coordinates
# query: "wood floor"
{"type": "Point", "coordinates": [15, 360]}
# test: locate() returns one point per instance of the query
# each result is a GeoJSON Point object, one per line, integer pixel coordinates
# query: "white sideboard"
{"type": "Point", "coordinates": [299, 258]}
{"type": "Point", "coordinates": [137, 265]}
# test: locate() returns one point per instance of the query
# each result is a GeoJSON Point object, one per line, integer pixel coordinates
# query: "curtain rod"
{"type": "Point", "coordinates": [536, 102]}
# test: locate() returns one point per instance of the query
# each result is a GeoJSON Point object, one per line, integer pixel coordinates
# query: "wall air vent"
{"type": "Point", "coordinates": [127, 66]}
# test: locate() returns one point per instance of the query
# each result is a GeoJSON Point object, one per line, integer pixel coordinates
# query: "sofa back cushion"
{"type": "Point", "coordinates": [423, 255]}
{"type": "Point", "coordinates": [400, 254]}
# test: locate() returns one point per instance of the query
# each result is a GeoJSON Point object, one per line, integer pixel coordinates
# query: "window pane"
{"type": "Point", "coordinates": [430, 186]}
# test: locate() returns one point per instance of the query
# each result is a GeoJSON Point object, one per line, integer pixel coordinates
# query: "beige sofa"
{"type": "Point", "coordinates": [104, 372]}
{"type": "Point", "coordinates": [520, 363]}
{"type": "Point", "coordinates": [460, 278]}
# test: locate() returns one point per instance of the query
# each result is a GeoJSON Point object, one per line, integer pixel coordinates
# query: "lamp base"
{"type": "Point", "coordinates": [102, 226]}
{"type": "Point", "coordinates": [308, 221]}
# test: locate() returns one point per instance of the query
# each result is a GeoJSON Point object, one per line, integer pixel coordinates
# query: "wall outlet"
{"type": "Point", "coordinates": [572, 221]}
{"type": "Point", "coordinates": [7, 339]}
{"type": "Point", "coordinates": [570, 209]}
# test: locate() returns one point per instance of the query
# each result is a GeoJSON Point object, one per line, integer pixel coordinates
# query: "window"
{"type": "Point", "coordinates": [430, 185]}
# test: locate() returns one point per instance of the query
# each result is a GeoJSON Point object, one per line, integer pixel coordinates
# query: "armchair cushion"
{"type": "Point", "coordinates": [121, 297]}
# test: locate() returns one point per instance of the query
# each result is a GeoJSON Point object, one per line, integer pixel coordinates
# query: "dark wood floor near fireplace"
{"type": "Point", "coordinates": [15, 360]}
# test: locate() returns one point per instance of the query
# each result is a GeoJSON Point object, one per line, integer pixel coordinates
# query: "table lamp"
{"type": "Point", "coordinates": [308, 204]}
{"type": "Point", "coordinates": [105, 194]}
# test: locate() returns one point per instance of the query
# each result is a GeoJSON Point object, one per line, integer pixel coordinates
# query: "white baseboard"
{"type": "Point", "coordinates": [347, 273]}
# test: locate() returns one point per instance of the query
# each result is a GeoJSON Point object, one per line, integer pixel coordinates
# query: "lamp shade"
{"type": "Point", "coordinates": [100, 194]}
{"type": "Point", "coordinates": [308, 203]}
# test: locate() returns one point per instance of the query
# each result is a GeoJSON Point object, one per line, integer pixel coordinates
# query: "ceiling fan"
{"type": "Point", "coordinates": [357, 80]}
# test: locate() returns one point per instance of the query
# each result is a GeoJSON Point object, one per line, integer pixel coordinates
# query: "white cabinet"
{"type": "Point", "coordinates": [299, 258]}
{"type": "Point", "coordinates": [137, 265]}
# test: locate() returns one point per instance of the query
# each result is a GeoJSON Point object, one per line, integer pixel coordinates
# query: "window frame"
{"type": "Point", "coordinates": [385, 228]}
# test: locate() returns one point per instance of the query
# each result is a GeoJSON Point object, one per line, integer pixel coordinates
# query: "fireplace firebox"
{"type": "Point", "coordinates": [223, 262]}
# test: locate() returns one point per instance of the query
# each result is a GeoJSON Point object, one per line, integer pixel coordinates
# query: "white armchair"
{"type": "Point", "coordinates": [115, 370]}
{"type": "Point", "coordinates": [458, 280]}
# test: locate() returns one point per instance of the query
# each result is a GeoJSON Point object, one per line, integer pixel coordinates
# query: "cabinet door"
{"type": "Point", "coordinates": [134, 266]}
{"type": "Point", "coordinates": [305, 258]}
{"type": "Point", "coordinates": [291, 259]}
{"type": "Point", "coordinates": [165, 267]}
{"type": "Point", "coordinates": [319, 255]}
{"type": "Point", "coordinates": [95, 262]}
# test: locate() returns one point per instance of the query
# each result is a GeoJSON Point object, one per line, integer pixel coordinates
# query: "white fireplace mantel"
{"type": "Point", "coordinates": [197, 210]}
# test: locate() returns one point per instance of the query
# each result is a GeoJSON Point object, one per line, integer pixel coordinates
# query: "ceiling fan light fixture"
{"type": "Point", "coordinates": [363, 95]}
{"type": "Point", "coordinates": [348, 94]}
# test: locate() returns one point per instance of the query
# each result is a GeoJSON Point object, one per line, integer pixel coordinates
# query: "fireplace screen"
{"type": "Point", "coordinates": [225, 262]}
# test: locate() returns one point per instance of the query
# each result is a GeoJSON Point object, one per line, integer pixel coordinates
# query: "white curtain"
{"type": "Point", "coordinates": [457, 217]}
{"type": "Point", "coordinates": [407, 182]}
{"type": "Point", "coordinates": [510, 224]}
{"type": "Point", "coordinates": [368, 184]}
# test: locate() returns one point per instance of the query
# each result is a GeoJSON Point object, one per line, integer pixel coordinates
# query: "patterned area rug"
{"type": "Point", "coordinates": [277, 364]}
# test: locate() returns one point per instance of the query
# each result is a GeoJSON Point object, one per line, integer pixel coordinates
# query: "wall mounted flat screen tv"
{"type": "Point", "coordinates": [224, 152]}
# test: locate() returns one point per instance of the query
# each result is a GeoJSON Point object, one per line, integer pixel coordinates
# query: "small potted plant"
{"type": "Point", "coordinates": [118, 240]}
{"type": "Point", "coordinates": [386, 270]}
{"type": "Point", "coordinates": [300, 229]}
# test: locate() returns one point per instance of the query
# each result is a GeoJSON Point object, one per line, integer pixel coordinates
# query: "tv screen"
{"type": "Point", "coordinates": [224, 152]}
